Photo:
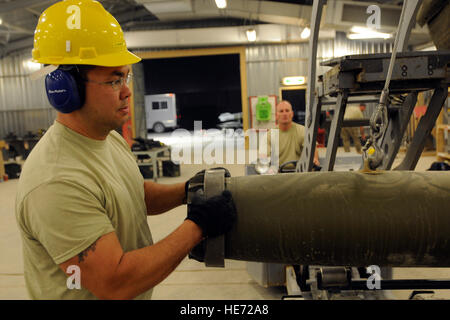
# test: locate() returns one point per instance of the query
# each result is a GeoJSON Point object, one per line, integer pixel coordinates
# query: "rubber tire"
{"type": "Point", "coordinates": [159, 127]}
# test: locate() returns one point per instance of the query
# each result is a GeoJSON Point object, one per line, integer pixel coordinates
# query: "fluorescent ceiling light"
{"type": "Point", "coordinates": [358, 36]}
{"type": "Point", "coordinates": [221, 4]}
{"type": "Point", "coordinates": [366, 33]}
{"type": "Point", "coordinates": [305, 33]}
{"type": "Point", "coordinates": [293, 81]}
{"type": "Point", "coordinates": [251, 35]}
{"type": "Point", "coordinates": [1, 21]}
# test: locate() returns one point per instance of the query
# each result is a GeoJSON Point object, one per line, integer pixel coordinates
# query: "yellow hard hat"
{"type": "Point", "coordinates": [80, 32]}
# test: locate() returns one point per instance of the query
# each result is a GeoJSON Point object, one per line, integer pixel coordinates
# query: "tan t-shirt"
{"type": "Point", "coordinates": [290, 143]}
{"type": "Point", "coordinates": [352, 112]}
{"type": "Point", "coordinates": [73, 190]}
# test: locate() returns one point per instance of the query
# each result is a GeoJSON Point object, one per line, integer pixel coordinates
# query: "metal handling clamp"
{"type": "Point", "coordinates": [211, 250]}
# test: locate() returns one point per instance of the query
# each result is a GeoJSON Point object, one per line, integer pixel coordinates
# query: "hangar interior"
{"type": "Point", "coordinates": [204, 59]}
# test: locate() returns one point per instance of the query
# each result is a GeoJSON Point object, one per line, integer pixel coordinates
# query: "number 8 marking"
{"type": "Point", "coordinates": [74, 21]}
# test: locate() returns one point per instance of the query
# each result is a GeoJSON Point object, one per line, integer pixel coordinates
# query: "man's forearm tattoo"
{"type": "Point", "coordinates": [84, 254]}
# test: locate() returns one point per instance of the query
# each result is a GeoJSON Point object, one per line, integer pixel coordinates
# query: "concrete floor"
{"type": "Point", "coordinates": [191, 280]}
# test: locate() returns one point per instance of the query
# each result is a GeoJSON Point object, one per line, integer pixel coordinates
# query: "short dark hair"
{"type": "Point", "coordinates": [83, 69]}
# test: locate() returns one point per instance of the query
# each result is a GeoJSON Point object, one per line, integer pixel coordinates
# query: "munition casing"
{"type": "Point", "coordinates": [392, 218]}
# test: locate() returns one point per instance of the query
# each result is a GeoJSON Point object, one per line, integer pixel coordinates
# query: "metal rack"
{"type": "Point", "coordinates": [362, 75]}
{"type": "Point", "coordinates": [153, 154]}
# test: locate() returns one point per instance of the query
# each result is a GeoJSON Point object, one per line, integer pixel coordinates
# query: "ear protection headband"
{"type": "Point", "coordinates": [65, 89]}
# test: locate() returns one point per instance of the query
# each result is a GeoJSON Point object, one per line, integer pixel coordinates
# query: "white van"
{"type": "Point", "coordinates": [160, 112]}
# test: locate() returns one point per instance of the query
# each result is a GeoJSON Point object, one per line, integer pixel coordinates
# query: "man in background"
{"type": "Point", "coordinates": [353, 112]}
{"type": "Point", "coordinates": [291, 135]}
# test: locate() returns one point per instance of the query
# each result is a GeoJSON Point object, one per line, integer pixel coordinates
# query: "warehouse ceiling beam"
{"type": "Point", "coordinates": [33, 11]}
{"type": "Point", "coordinates": [7, 7]}
{"type": "Point", "coordinates": [8, 31]}
{"type": "Point", "coordinates": [25, 43]}
{"type": "Point", "coordinates": [132, 15]}
{"type": "Point", "coordinates": [19, 44]}
{"type": "Point", "coordinates": [15, 29]}
{"type": "Point", "coordinates": [265, 11]}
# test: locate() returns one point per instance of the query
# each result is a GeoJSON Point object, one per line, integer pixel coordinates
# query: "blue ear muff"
{"type": "Point", "coordinates": [63, 91]}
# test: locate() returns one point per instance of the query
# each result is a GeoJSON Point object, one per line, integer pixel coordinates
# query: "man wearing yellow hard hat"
{"type": "Point", "coordinates": [82, 203]}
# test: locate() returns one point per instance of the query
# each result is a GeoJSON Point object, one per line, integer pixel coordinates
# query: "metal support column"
{"type": "Point", "coordinates": [398, 122]}
{"type": "Point", "coordinates": [305, 163]}
{"type": "Point", "coordinates": [312, 108]}
{"type": "Point", "coordinates": [423, 130]}
{"type": "Point", "coordinates": [335, 130]}
{"type": "Point", "coordinates": [410, 7]}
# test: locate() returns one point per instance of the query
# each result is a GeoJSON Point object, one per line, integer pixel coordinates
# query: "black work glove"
{"type": "Point", "coordinates": [196, 182]}
{"type": "Point", "coordinates": [215, 216]}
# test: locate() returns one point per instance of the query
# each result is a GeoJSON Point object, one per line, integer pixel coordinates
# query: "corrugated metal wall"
{"type": "Point", "coordinates": [268, 64]}
{"type": "Point", "coordinates": [23, 103]}
{"type": "Point", "coordinates": [24, 106]}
